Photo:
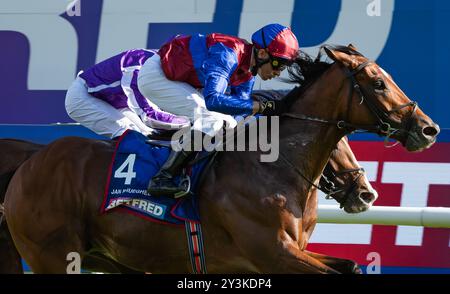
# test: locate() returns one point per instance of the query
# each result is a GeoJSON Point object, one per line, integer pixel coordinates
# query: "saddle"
{"type": "Point", "coordinates": [133, 164]}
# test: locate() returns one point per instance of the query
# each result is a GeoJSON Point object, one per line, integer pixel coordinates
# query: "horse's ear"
{"type": "Point", "coordinates": [352, 47]}
{"type": "Point", "coordinates": [338, 56]}
{"type": "Point", "coordinates": [331, 53]}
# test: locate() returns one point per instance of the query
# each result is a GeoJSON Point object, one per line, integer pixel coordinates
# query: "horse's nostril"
{"type": "Point", "coordinates": [367, 197]}
{"type": "Point", "coordinates": [430, 131]}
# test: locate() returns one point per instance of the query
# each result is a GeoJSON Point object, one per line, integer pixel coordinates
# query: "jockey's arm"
{"type": "Point", "coordinates": [244, 90]}
{"type": "Point", "coordinates": [219, 66]}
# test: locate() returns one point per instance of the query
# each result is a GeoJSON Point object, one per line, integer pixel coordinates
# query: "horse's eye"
{"type": "Point", "coordinates": [379, 85]}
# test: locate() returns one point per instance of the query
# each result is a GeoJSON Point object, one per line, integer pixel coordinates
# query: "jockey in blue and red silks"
{"type": "Point", "coordinates": [224, 67]}
{"type": "Point", "coordinates": [105, 98]}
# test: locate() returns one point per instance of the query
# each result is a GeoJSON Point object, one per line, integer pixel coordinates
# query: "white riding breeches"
{"type": "Point", "coordinates": [99, 116]}
{"type": "Point", "coordinates": [179, 98]}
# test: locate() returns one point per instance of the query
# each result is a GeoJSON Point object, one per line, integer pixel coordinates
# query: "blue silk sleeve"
{"type": "Point", "coordinates": [218, 67]}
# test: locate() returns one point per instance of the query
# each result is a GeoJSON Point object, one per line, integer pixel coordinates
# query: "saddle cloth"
{"type": "Point", "coordinates": [134, 163]}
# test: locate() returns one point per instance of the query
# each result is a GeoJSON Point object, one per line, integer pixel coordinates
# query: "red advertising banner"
{"type": "Point", "coordinates": [401, 179]}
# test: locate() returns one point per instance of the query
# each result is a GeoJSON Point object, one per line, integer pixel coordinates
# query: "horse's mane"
{"type": "Point", "coordinates": [304, 72]}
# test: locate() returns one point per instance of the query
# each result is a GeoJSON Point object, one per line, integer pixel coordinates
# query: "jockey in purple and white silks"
{"type": "Point", "coordinates": [105, 98]}
{"type": "Point", "coordinates": [224, 67]}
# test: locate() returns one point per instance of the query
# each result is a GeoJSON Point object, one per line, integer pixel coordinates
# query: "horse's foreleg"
{"type": "Point", "coordinates": [55, 253]}
{"type": "Point", "coordinates": [293, 260]}
{"type": "Point", "coordinates": [49, 240]}
{"type": "Point", "coordinates": [345, 266]}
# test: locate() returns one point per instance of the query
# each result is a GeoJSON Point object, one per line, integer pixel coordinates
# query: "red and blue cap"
{"type": "Point", "coordinates": [279, 40]}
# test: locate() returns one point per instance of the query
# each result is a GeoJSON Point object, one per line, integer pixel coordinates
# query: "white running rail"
{"type": "Point", "coordinates": [433, 217]}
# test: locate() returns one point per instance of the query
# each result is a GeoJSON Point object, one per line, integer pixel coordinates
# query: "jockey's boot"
{"type": "Point", "coordinates": [162, 183]}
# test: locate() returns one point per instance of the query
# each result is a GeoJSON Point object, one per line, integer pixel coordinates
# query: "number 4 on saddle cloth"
{"type": "Point", "coordinates": [134, 163]}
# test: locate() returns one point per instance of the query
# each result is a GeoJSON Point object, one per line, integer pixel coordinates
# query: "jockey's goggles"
{"type": "Point", "coordinates": [279, 63]}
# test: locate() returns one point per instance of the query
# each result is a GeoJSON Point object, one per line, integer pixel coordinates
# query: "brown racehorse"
{"type": "Point", "coordinates": [255, 215]}
{"type": "Point", "coordinates": [345, 182]}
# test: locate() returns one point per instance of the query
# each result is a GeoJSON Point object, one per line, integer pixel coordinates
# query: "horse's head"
{"type": "Point", "coordinates": [377, 104]}
{"type": "Point", "coordinates": [344, 180]}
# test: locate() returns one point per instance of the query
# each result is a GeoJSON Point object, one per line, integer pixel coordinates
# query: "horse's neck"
{"type": "Point", "coordinates": [306, 144]}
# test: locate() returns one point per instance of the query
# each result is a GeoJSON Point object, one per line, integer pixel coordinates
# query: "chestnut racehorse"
{"type": "Point", "coordinates": [255, 215]}
{"type": "Point", "coordinates": [345, 182]}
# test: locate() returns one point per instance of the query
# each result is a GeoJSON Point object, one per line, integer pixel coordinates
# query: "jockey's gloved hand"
{"type": "Point", "coordinates": [272, 108]}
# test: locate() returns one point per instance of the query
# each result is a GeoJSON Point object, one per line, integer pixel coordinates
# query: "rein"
{"type": "Point", "coordinates": [330, 188]}
{"type": "Point", "coordinates": [297, 170]}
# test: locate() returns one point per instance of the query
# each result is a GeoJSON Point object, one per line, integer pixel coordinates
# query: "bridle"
{"type": "Point", "coordinates": [328, 184]}
{"type": "Point", "coordinates": [384, 126]}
